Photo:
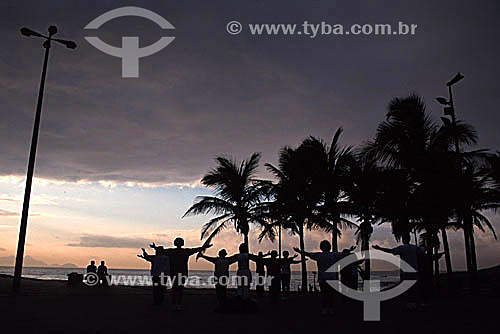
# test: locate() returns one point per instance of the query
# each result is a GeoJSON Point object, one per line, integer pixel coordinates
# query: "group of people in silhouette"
{"type": "Point", "coordinates": [172, 263]}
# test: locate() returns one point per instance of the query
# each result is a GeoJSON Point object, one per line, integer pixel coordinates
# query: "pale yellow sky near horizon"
{"type": "Point", "coordinates": [74, 223]}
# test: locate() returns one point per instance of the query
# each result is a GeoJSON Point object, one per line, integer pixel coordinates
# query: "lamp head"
{"type": "Point", "coordinates": [68, 44]}
{"type": "Point", "coordinates": [28, 32]}
{"type": "Point", "coordinates": [71, 45]}
{"type": "Point", "coordinates": [455, 79]}
{"type": "Point", "coordinates": [52, 30]}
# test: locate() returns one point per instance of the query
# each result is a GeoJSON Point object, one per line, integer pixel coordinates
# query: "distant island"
{"type": "Point", "coordinates": [66, 265]}
{"type": "Point", "coordinates": [9, 261]}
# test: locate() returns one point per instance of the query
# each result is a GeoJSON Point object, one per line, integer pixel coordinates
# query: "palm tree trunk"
{"type": "Point", "coordinates": [447, 254]}
{"type": "Point", "coordinates": [365, 246]}
{"type": "Point", "coordinates": [303, 259]}
{"type": "Point", "coordinates": [473, 250]}
{"type": "Point", "coordinates": [246, 241]}
{"type": "Point", "coordinates": [467, 244]}
{"type": "Point", "coordinates": [335, 245]}
{"type": "Point", "coordinates": [279, 240]}
{"type": "Point", "coordinates": [335, 235]}
{"type": "Point", "coordinates": [436, 267]}
{"type": "Point", "coordinates": [474, 278]}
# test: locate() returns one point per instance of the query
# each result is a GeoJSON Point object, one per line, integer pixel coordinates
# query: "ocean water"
{"type": "Point", "coordinates": [386, 278]}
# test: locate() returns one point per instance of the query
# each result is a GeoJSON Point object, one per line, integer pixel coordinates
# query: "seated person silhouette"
{"type": "Point", "coordinates": [91, 268]}
{"type": "Point", "coordinates": [102, 273]}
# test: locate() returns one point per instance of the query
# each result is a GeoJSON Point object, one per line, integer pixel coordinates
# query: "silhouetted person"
{"type": "Point", "coordinates": [243, 273]}
{"type": "Point", "coordinates": [273, 266]}
{"type": "Point", "coordinates": [102, 273]}
{"type": "Point", "coordinates": [260, 269]}
{"type": "Point", "coordinates": [160, 269]}
{"type": "Point", "coordinates": [179, 267]}
{"type": "Point", "coordinates": [285, 271]}
{"type": "Point", "coordinates": [426, 273]}
{"type": "Point", "coordinates": [349, 274]}
{"type": "Point", "coordinates": [91, 268]}
{"type": "Point", "coordinates": [410, 254]}
{"type": "Point", "coordinates": [324, 261]}
{"type": "Point", "coordinates": [221, 274]}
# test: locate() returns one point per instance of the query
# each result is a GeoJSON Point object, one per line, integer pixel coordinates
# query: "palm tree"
{"type": "Point", "coordinates": [236, 200]}
{"type": "Point", "coordinates": [337, 177]}
{"type": "Point", "coordinates": [364, 194]}
{"type": "Point", "coordinates": [298, 192]}
{"type": "Point", "coordinates": [494, 173]}
{"type": "Point", "coordinates": [494, 169]}
{"type": "Point", "coordinates": [401, 143]}
{"type": "Point", "coordinates": [420, 152]}
{"type": "Point", "coordinates": [431, 200]}
{"type": "Point", "coordinates": [473, 195]}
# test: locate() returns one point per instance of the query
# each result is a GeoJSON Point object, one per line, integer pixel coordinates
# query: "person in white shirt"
{"type": "Point", "coordinates": [221, 273]}
{"type": "Point", "coordinates": [324, 261]}
{"type": "Point", "coordinates": [243, 273]}
{"type": "Point", "coordinates": [160, 269]}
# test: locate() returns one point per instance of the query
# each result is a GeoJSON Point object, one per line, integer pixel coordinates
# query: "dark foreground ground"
{"type": "Point", "coordinates": [53, 307]}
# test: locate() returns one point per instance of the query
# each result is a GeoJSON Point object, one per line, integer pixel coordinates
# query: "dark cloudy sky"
{"type": "Point", "coordinates": [210, 92]}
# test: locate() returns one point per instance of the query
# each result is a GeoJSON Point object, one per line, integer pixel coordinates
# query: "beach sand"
{"type": "Point", "coordinates": [55, 307]}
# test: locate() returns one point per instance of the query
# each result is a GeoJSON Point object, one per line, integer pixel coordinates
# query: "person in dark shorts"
{"type": "Point", "coordinates": [260, 269]}
{"type": "Point", "coordinates": [286, 272]}
{"type": "Point", "coordinates": [324, 261]}
{"type": "Point", "coordinates": [221, 274]}
{"type": "Point", "coordinates": [410, 254]}
{"type": "Point", "coordinates": [160, 268]}
{"type": "Point", "coordinates": [273, 266]}
{"type": "Point", "coordinates": [179, 257]}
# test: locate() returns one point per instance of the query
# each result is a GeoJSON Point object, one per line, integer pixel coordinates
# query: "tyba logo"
{"type": "Point", "coordinates": [371, 299]}
{"type": "Point", "coordinates": [130, 52]}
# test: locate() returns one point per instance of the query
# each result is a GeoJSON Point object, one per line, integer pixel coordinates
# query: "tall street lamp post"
{"type": "Point", "coordinates": [34, 141]}
{"type": "Point", "coordinates": [449, 109]}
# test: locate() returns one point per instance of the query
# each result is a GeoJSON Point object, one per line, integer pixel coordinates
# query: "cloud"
{"type": "Point", "coordinates": [6, 213]}
{"type": "Point", "coordinates": [106, 241]}
{"type": "Point", "coordinates": [9, 200]}
{"type": "Point", "coordinates": [39, 199]}
{"type": "Point", "coordinates": [208, 93]}
{"type": "Point", "coordinates": [165, 238]}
